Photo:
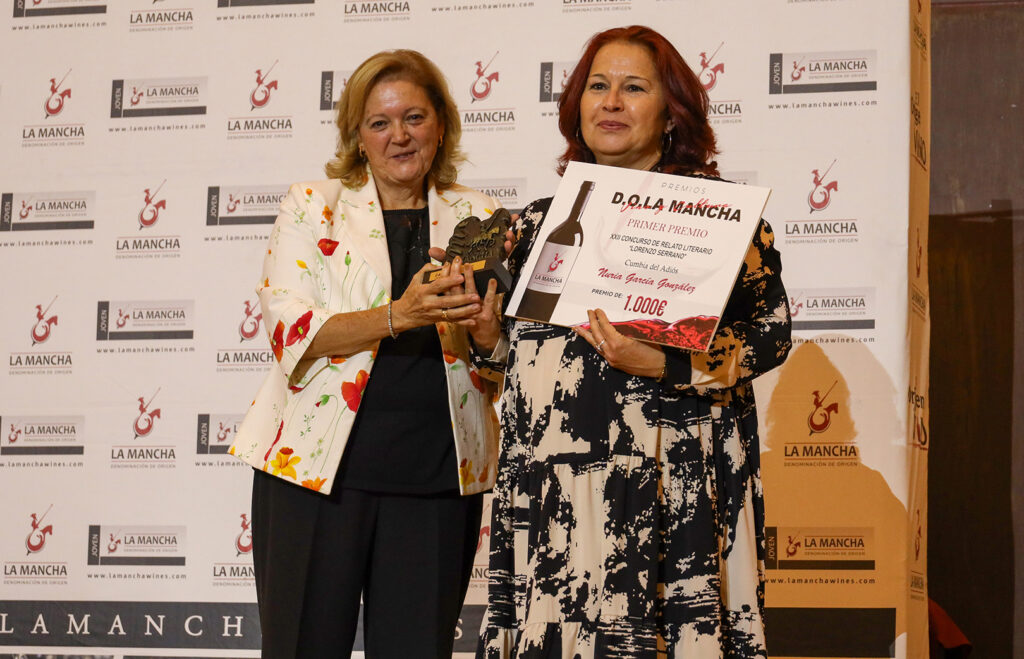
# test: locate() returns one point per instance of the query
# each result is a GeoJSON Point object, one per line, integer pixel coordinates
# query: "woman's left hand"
{"type": "Point", "coordinates": [483, 326]}
{"type": "Point", "coordinates": [622, 352]}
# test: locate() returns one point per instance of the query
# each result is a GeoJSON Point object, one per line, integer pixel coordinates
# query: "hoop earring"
{"type": "Point", "coordinates": [668, 146]}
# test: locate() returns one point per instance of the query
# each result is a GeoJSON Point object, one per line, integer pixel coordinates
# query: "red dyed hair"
{"type": "Point", "coordinates": [693, 140]}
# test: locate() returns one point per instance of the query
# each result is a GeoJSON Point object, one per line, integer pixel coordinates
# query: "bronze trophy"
{"type": "Point", "coordinates": [481, 244]}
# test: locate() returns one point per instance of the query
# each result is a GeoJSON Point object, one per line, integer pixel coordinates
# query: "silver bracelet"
{"type": "Point", "coordinates": [391, 329]}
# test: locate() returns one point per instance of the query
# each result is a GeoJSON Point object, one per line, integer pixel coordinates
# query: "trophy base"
{"type": "Point", "coordinates": [483, 271]}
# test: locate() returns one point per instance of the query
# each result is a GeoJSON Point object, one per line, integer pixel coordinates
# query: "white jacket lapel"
{"type": "Point", "coordinates": [442, 216]}
{"type": "Point", "coordinates": [363, 226]}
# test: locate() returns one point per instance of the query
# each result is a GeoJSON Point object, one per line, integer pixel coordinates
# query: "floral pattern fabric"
{"type": "Point", "coordinates": [628, 516]}
{"type": "Point", "coordinates": [328, 255]}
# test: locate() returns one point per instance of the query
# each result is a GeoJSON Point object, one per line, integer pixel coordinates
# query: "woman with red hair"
{"type": "Point", "coordinates": [628, 517]}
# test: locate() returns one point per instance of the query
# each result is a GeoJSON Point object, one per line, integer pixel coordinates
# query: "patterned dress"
{"type": "Point", "coordinates": [628, 516]}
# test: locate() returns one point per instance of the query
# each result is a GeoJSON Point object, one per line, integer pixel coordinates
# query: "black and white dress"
{"type": "Point", "coordinates": [628, 515]}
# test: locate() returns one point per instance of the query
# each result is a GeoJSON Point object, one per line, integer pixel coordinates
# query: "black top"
{"type": "Point", "coordinates": [402, 439]}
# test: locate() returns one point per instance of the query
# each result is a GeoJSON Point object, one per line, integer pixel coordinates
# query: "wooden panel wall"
{"type": "Point", "coordinates": [976, 464]}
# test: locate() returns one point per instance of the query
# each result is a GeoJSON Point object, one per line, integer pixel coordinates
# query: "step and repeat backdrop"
{"type": "Point", "coordinates": [147, 145]}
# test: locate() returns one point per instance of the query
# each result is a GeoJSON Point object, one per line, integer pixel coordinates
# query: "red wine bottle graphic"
{"type": "Point", "coordinates": [557, 257]}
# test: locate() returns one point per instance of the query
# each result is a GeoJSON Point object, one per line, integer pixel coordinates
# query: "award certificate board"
{"type": "Point", "coordinates": [659, 253]}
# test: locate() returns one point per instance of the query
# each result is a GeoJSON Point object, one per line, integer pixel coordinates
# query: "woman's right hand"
{"type": "Point", "coordinates": [425, 304]}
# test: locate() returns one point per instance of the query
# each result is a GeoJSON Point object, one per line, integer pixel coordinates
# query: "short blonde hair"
{"type": "Point", "coordinates": [412, 66]}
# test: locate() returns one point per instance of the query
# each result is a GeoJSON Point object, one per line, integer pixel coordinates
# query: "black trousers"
{"type": "Point", "coordinates": [409, 557]}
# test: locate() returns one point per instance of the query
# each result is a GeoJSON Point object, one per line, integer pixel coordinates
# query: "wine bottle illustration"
{"type": "Point", "coordinates": [557, 257]}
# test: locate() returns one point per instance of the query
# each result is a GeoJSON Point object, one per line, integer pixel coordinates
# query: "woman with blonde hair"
{"type": "Point", "coordinates": [372, 437]}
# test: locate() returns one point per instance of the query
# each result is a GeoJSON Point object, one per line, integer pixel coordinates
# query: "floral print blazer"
{"type": "Point", "coordinates": [328, 254]}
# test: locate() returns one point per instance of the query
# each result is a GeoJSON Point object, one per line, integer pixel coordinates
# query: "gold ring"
{"type": "Point", "coordinates": [444, 314]}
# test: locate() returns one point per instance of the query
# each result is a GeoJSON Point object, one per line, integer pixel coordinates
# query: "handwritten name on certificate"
{"type": "Point", "coordinates": [658, 253]}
